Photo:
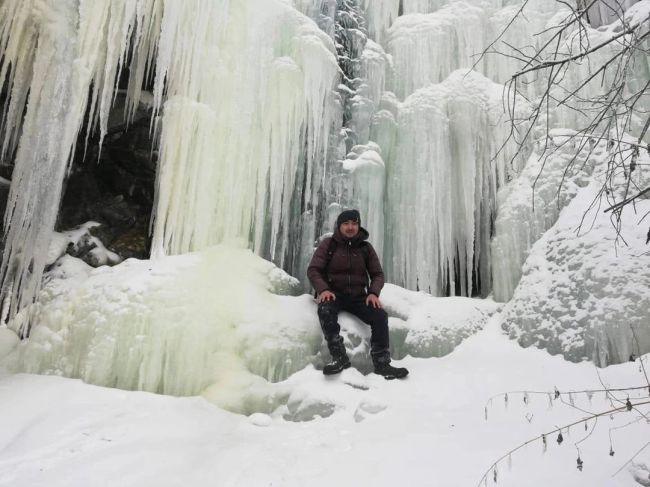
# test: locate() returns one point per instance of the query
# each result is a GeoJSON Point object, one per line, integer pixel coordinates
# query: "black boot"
{"type": "Point", "coordinates": [381, 361]}
{"type": "Point", "coordinates": [340, 358]}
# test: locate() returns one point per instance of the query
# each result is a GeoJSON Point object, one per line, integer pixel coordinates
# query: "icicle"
{"type": "Point", "coordinates": [48, 136]}
{"type": "Point", "coordinates": [213, 183]}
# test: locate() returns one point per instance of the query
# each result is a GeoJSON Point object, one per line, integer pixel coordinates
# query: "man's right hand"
{"type": "Point", "coordinates": [326, 296]}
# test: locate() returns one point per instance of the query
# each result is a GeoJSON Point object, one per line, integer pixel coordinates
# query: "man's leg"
{"type": "Point", "coordinates": [328, 313]}
{"type": "Point", "coordinates": [377, 318]}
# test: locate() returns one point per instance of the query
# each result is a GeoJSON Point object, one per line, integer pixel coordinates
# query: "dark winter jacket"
{"type": "Point", "coordinates": [347, 272]}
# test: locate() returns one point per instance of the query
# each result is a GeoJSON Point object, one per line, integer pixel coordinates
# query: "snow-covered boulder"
{"type": "Point", "coordinates": [584, 294]}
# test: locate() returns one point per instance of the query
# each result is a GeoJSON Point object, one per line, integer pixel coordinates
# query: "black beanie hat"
{"type": "Point", "coordinates": [348, 215]}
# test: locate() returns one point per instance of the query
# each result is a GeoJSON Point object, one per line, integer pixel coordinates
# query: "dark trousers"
{"type": "Point", "coordinates": [328, 312]}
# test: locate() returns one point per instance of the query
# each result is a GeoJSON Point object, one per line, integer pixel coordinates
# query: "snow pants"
{"type": "Point", "coordinates": [377, 318]}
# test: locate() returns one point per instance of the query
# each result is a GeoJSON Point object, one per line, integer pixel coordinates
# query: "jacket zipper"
{"type": "Point", "coordinates": [350, 268]}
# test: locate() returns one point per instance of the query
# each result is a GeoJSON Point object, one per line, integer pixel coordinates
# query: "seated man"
{"type": "Point", "coordinates": [339, 272]}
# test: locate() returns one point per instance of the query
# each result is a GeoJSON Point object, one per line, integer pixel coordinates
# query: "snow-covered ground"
{"type": "Point", "coordinates": [429, 429]}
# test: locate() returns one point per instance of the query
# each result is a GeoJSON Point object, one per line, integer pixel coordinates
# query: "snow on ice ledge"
{"type": "Point", "coordinates": [221, 322]}
{"type": "Point", "coordinates": [585, 295]}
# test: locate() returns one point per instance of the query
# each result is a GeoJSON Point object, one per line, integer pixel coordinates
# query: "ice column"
{"type": "Point", "coordinates": [442, 185]}
{"type": "Point", "coordinates": [53, 50]}
{"type": "Point", "coordinates": [43, 150]}
{"type": "Point", "coordinates": [239, 139]}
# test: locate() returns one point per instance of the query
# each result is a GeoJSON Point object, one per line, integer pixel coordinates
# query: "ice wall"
{"type": "Point", "coordinates": [565, 160]}
{"type": "Point", "coordinates": [241, 143]}
{"type": "Point", "coordinates": [48, 134]}
{"type": "Point", "coordinates": [442, 184]}
{"type": "Point", "coordinates": [532, 203]}
{"type": "Point", "coordinates": [233, 133]}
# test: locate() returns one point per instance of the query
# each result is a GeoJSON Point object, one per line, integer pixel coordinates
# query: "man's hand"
{"type": "Point", "coordinates": [326, 296]}
{"type": "Point", "coordinates": [373, 301]}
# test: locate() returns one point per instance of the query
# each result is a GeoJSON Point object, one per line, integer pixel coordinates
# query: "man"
{"type": "Point", "coordinates": [339, 272]}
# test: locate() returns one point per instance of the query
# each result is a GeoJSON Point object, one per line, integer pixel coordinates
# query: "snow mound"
{"type": "Point", "coordinates": [173, 326]}
{"type": "Point", "coordinates": [427, 326]}
{"type": "Point", "coordinates": [584, 294]}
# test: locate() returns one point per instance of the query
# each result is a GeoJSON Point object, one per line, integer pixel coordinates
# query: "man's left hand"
{"type": "Point", "coordinates": [373, 301]}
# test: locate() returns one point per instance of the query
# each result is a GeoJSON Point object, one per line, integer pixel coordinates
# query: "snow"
{"type": "Point", "coordinates": [79, 242]}
{"type": "Point", "coordinates": [427, 429]}
{"type": "Point", "coordinates": [210, 321]}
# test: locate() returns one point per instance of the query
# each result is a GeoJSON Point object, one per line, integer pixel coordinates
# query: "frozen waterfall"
{"type": "Point", "coordinates": [239, 72]}
{"type": "Point", "coordinates": [270, 116]}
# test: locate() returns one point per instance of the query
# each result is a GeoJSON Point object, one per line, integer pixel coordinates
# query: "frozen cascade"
{"type": "Point", "coordinates": [426, 48]}
{"type": "Point", "coordinates": [442, 211]}
{"type": "Point", "coordinates": [239, 188]}
{"type": "Point", "coordinates": [48, 135]}
{"type": "Point", "coordinates": [211, 107]}
{"type": "Point", "coordinates": [519, 224]}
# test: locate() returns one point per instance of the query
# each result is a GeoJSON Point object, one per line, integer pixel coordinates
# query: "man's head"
{"type": "Point", "coordinates": [348, 223]}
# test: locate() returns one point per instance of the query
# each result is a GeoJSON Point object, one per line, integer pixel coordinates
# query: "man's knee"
{"type": "Point", "coordinates": [328, 311]}
{"type": "Point", "coordinates": [379, 317]}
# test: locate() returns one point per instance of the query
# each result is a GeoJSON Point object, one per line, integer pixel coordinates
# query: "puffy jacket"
{"type": "Point", "coordinates": [347, 272]}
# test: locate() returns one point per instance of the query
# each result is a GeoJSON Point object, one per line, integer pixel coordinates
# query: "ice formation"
{"type": "Point", "coordinates": [221, 322]}
{"type": "Point", "coordinates": [531, 204]}
{"type": "Point", "coordinates": [268, 123]}
{"type": "Point", "coordinates": [583, 293]}
{"type": "Point", "coordinates": [212, 183]}
{"type": "Point", "coordinates": [442, 184]}
{"type": "Point", "coordinates": [173, 326]}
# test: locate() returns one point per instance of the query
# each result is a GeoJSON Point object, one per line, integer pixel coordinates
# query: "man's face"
{"type": "Point", "coordinates": [349, 228]}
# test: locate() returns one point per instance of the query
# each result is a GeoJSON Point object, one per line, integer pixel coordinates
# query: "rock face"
{"type": "Point", "coordinates": [114, 185]}
{"type": "Point", "coordinates": [584, 294]}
